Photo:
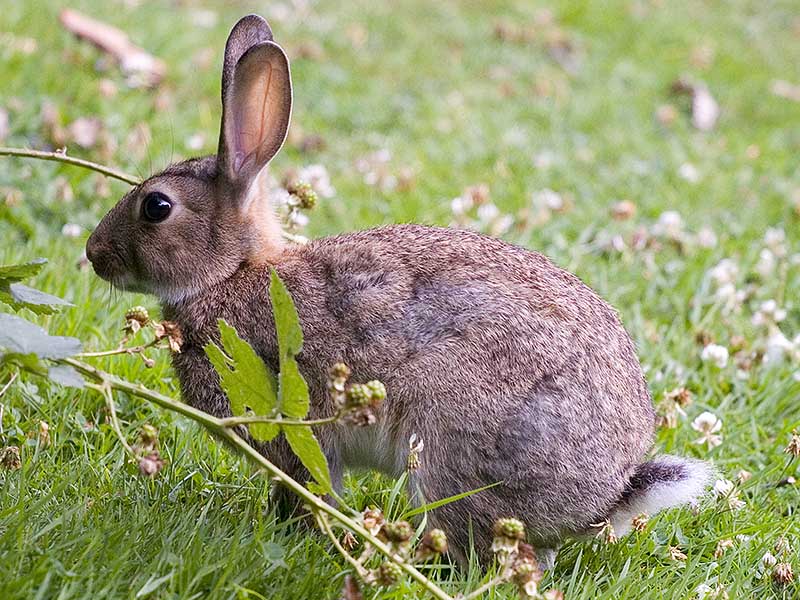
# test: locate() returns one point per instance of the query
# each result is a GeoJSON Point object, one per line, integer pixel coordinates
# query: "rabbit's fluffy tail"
{"type": "Point", "coordinates": [663, 482]}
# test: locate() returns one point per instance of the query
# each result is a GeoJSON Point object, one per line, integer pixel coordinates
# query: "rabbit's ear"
{"type": "Point", "coordinates": [256, 101]}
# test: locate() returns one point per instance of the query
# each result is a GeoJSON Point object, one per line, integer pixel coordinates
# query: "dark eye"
{"type": "Point", "coordinates": [156, 207]}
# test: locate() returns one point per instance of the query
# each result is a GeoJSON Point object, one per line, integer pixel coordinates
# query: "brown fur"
{"type": "Point", "coordinates": [510, 369]}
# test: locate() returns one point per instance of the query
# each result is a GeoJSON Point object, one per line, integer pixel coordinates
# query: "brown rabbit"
{"type": "Point", "coordinates": [510, 369]}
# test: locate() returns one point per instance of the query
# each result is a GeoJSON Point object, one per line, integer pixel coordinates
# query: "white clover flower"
{"type": "Point", "coordinates": [730, 298]}
{"type": "Point", "coordinates": [709, 425]}
{"type": "Point", "coordinates": [725, 271]}
{"type": "Point", "coordinates": [766, 263]}
{"type": "Point", "coordinates": [778, 346]}
{"type": "Point", "coordinates": [318, 178]}
{"type": "Point", "coordinates": [725, 489]}
{"type": "Point", "coordinates": [688, 172]}
{"type": "Point", "coordinates": [669, 224]}
{"type": "Point", "coordinates": [459, 205]}
{"type": "Point", "coordinates": [488, 212]}
{"type": "Point", "coordinates": [769, 560]}
{"type": "Point", "coordinates": [706, 238]}
{"type": "Point", "coordinates": [548, 199]}
{"type": "Point", "coordinates": [768, 313]}
{"type": "Point", "coordinates": [715, 354]}
{"type": "Point", "coordinates": [71, 230]}
{"type": "Point", "coordinates": [775, 240]}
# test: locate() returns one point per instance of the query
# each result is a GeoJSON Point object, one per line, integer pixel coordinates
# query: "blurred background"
{"type": "Point", "coordinates": [650, 146]}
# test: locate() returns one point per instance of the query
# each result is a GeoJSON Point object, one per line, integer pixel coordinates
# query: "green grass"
{"type": "Point", "coordinates": [458, 106]}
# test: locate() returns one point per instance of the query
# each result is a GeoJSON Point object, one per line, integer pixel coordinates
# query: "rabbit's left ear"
{"type": "Point", "coordinates": [256, 101]}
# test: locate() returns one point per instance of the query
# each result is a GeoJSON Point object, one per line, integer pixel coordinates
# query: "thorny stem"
{"type": "Point", "coordinates": [236, 421]}
{"type": "Point", "coordinates": [218, 428]}
{"type": "Point", "coordinates": [61, 156]}
{"type": "Point", "coordinates": [120, 350]}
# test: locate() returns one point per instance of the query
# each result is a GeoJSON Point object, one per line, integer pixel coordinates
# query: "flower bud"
{"type": "Point", "coordinates": [389, 573]}
{"type": "Point", "coordinates": [138, 314]}
{"type": "Point", "coordinates": [782, 573]}
{"type": "Point", "coordinates": [377, 391]}
{"type": "Point", "coordinates": [357, 395]}
{"type": "Point", "coordinates": [10, 458]}
{"type": "Point", "coordinates": [434, 542]}
{"type": "Point", "coordinates": [510, 528]}
{"type": "Point", "coordinates": [150, 464]}
{"type": "Point", "coordinates": [398, 532]}
{"type": "Point", "coordinates": [305, 194]}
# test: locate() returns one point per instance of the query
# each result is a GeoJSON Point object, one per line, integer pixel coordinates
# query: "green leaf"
{"type": "Point", "coordinates": [431, 505]}
{"type": "Point", "coordinates": [305, 445]}
{"type": "Point", "coordinates": [19, 296]}
{"type": "Point", "coordinates": [66, 376]}
{"type": "Point", "coordinates": [246, 380]}
{"type": "Point", "coordinates": [14, 273]}
{"type": "Point", "coordinates": [19, 336]}
{"type": "Point", "coordinates": [287, 323]}
{"type": "Point", "coordinates": [293, 391]}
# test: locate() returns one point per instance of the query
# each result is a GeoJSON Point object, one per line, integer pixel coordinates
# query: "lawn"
{"type": "Point", "coordinates": [566, 113]}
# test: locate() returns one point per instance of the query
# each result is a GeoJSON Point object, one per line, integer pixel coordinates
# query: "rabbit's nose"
{"type": "Point", "coordinates": [98, 255]}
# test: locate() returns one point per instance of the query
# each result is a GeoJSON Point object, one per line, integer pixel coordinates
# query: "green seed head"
{"type": "Point", "coordinates": [377, 391]}
{"type": "Point", "coordinates": [399, 531]}
{"type": "Point", "coordinates": [389, 573]}
{"type": "Point", "coordinates": [358, 394]}
{"type": "Point", "coordinates": [435, 541]}
{"type": "Point", "coordinates": [510, 528]}
{"type": "Point", "coordinates": [139, 314]}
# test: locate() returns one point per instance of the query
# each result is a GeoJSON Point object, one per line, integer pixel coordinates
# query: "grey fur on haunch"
{"type": "Point", "coordinates": [510, 369]}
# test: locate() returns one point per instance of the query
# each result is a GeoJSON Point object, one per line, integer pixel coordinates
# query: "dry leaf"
{"type": "Point", "coordinates": [784, 89]}
{"type": "Point", "coordinates": [141, 68]}
{"type": "Point", "coordinates": [705, 109]}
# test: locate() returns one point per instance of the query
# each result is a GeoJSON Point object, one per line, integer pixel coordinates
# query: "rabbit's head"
{"type": "Point", "coordinates": [196, 222]}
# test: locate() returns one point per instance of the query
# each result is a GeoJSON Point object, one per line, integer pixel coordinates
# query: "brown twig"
{"type": "Point", "coordinates": [71, 160]}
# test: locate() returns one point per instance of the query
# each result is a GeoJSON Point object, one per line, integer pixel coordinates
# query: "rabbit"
{"type": "Point", "coordinates": [511, 370]}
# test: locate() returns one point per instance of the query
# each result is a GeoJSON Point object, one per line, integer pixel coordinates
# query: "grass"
{"type": "Point", "coordinates": [433, 84]}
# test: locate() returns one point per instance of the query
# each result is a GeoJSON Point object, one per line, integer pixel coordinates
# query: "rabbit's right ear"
{"type": "Point", "coordinates": [256, 101]}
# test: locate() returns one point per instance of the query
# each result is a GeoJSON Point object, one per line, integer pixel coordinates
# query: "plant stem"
{"type": "Point", "coordinates": [235, 421]}
{"type": "Point", "coordinates": [325, 526]}
{"type": "Point", "coordinates": [217, 427]}
{"type": "Point", "coordinates": [8, 385]}
{"type": "Point", "coordinates": [120, 350]}
{"type": "Point", "coordinates": [108, 394]}
{"type": "Point", "coordinates": [495, 581]}
{"type": "Point", "coordinates": [70, 160]}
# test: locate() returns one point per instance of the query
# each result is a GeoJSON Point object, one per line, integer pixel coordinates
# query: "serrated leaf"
{"type": "Point", "coordinates": [19, 336]}
{"type": "Point", "coordinates": [66, 376]}
{"type": "Point", "coordinates": [246, 380]}
{"type": "Point", "coordinates": [287, 323]}
{"type": "Point", "coordinates": [305, 445]}
{"type": "Point", "coordinates": [14, 273]}
{"type": "Point", "coordinates": [293, 390]}
{"type": "Point", "coordinates": [19, 296]}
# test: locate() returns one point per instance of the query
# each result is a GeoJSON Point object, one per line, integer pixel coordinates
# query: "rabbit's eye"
{"type": "Point", "coordinates": [156, 207]}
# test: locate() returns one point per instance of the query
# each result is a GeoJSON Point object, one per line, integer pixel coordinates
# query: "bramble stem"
{"type": "Point", "coordinates": [120, 350]}
{"type": "Point", "coordinates": [71, 160]}
{"type": "Point", "coordinates": [217, 427]}
{"type": "Point", "coordinates": [246, 420]}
